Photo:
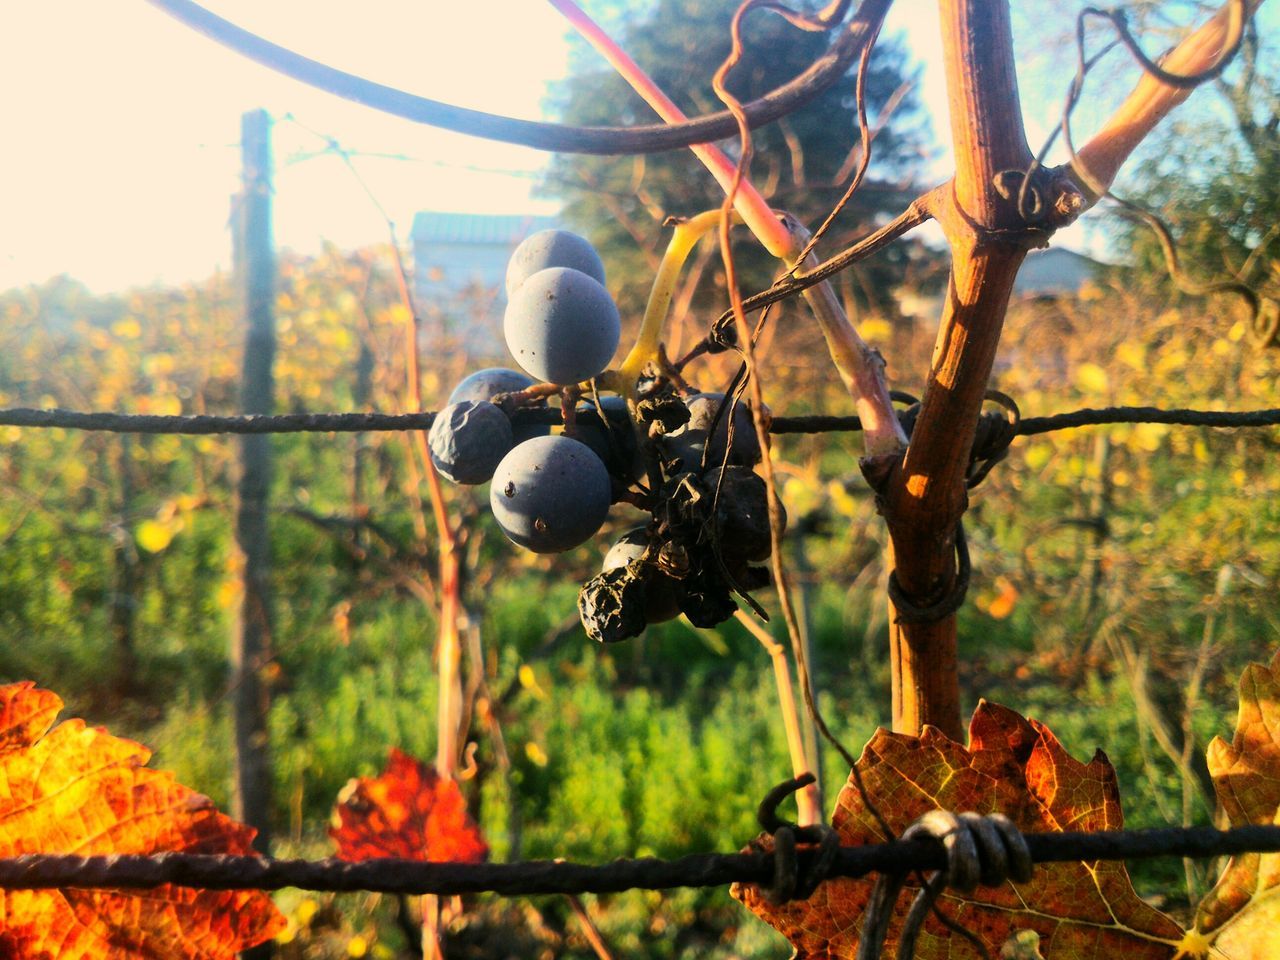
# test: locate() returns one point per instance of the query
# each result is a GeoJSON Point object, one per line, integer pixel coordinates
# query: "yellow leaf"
{"type": "Point", "coordinates": [529, 680]}
{"type": "Point", "coordinates": [1132, 355]}
{"type": "Point", "coordinates": [1149, 436]}
{"type": "Point", "coordinates": [165, 406]}
{"type": "Point", "coordinates": [841, 499]}
{"type": "Point", "coordinates": [801, 494]}
{"type": "Point", "coordinates": [290, 931]}
{"type": "Point", "coordinates": [1037, 455]}
{"type": "Point", "coordinates": [875, 329]}
{"type": "Point", "coordinates": [153, 536]}
{"type": "Point", "coordinates": [1091, 378]}
{"type": "Point", "coordinates": [537, 756]}
{"type": "Point", "coordinates": [127, 329]}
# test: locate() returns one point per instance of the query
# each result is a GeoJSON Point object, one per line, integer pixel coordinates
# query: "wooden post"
{"type": "Point", "coordinates": [251, 639]}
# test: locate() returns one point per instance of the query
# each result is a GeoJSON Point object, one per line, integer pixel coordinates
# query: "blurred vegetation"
{"type": "Point", "coordinates": [1112, 565]}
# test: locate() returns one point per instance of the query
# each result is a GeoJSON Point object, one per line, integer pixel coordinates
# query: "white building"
{"type": "Point", "coordinates": [459, 265]}
{"type": "Point", "coordinates": [1056, 272]}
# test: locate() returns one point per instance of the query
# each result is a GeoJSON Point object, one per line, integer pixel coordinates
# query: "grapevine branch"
{"type": "Point", "coordinates": [563, 138]}
{"type": "Point", "coordinates": [389, 422]}
{"type": "Point", "coordinates": [56, 871]}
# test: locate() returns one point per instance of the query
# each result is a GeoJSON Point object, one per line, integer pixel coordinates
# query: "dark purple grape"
{"type": "Point", "coordinates": [742, 513]}
{"type": "Point", "coordinates": [661, 593]}
{"type": "Point", "coordinates": [611, 606]}
{"type": "Point", "coordinates": [687, 443]}
{"type": "Point", "coordinates": [469, 439]}
{"type": "Point", "coordinates": [552, 248]}
{"type": "Point", "coordinates": [631, 546]}
{"type": "Point", "coordinates": [562, 326]}
{"type": "Point", "coordinates": [616, 444]}
{"type": "Point", "coordinates": [488, 383]}
{"type": "Point", "coordinates": [550, 494]}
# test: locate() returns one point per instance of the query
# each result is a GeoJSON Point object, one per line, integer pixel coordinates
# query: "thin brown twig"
{"type": "Point", "coordinates": [746, 346]}
{"type": "Point", "coordinates": [589, 928]}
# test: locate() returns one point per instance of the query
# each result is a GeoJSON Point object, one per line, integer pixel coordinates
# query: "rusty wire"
{"type": "Point", "coordinates": [203, 425]}
{"type": "Point", "coordinates": [221, 872]}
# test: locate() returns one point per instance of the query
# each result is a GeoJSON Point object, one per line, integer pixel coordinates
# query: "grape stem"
{"type": "Point", "coordinates": [860, 366]}
{"type": "Point", "coordinates": [684, 238]}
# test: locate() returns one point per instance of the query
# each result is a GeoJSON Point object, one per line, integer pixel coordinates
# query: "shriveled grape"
{"type": "Point", "coordinates": [742, 513]}
{"type": "Point", "coordinates": [660, 593]}
{"type": "Point", "coordinates": [688, 442]}
{"type": "Point", "coordinates": [488, 383]}
{"type": "Point", "coordinates": [468, 440]}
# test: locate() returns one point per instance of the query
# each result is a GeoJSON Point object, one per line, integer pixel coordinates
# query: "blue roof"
{"type": "Point", "coordinates": [510, 229]}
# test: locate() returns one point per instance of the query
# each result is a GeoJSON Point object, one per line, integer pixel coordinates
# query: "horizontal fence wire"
{"type": "Point", "coordinates": [44, 871]}
{"type": "Point", "coordinates": [381, 422]}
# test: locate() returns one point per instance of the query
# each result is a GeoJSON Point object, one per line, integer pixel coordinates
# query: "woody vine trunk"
{"type": "Point", "coordinates": [923, 494]}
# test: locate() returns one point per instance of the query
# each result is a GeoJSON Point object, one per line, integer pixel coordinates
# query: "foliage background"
{"type": "Point", "coordinates": [1113, 565]}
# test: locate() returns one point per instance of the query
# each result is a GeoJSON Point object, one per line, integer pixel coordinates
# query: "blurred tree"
{"type": "Point", "coordinates": [803, 163]}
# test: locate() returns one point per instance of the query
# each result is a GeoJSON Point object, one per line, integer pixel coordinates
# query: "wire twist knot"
{"type": "Point", "coordinates": [981, 850]}
{"type": "Point", "coordinates": [795, 878]}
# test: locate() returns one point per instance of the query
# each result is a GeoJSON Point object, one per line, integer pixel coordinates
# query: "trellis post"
{"type": "Point", "coordinates": [252, 634]}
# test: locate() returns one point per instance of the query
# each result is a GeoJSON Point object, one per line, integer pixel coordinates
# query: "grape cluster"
{"type": "Point", "coordinates": [709, 525]}
{"type": "Point", "coordinates": [686, 460]}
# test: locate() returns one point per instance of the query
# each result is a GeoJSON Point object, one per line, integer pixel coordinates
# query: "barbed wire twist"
{"type": "Point", "coordinates": [533, 877]}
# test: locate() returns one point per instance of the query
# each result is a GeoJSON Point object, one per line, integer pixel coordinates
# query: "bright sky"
{"type": "Point", "coordinates": [121, 126]}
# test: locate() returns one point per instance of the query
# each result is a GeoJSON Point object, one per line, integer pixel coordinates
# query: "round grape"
{"type": "Point", "coordinates": [615, 444]}
{"type": "Point", "coordinates": [552, 248]}
{"type": "Point", "coordinates": [469, 439]}
{"type": "Point", "coordinates": [687, 443]}
{"type": "Point", "coordinates": [631, 546]}
{"type": "Point", "coordinates": [488, 383]}
{"type": "Point", "coordinates": [562, 326]}
{"type": "Point", "coordinates": [550, 494]}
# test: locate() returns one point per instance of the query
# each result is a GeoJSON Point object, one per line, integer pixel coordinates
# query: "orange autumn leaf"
{"type": "Point", "coordinates": [409, 812]}
{"type": "Point", "coordinates": [76, 790]}
{"type": "Point", "coordinates": [1240, 917]}
{"type": "Point", "coordinates": [1005, 601]}
{"type": "Point", "coordinates": [1080, 911]}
